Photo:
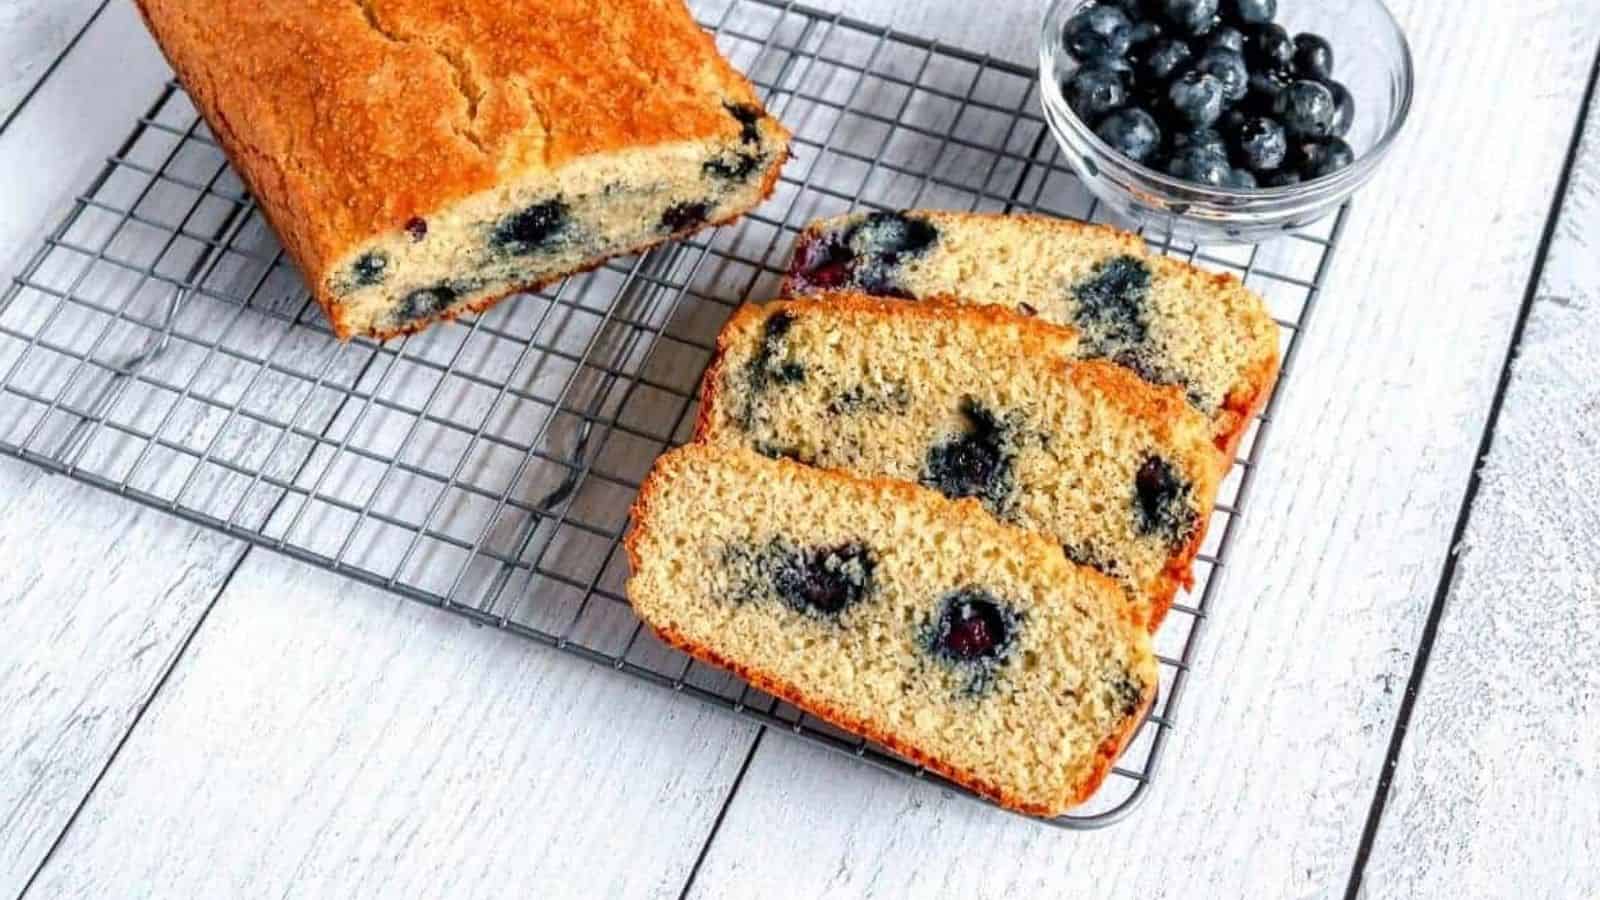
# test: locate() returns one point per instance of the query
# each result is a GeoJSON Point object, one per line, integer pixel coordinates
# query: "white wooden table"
{"type": "Point", "coordinates": [1401, 701]}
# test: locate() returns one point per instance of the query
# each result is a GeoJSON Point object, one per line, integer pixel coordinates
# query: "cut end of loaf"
{"type": "Point", "coordinates": [968, 646]}
{"type": "Point", "coordinates": [531, 231]}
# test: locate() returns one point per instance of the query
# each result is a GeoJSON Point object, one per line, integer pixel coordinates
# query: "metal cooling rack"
{"type": "Point", "coordinates": [159, 345]}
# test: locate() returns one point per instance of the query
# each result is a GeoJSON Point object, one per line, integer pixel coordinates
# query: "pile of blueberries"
{"type": "Point", "coordinates": [1209, 91]}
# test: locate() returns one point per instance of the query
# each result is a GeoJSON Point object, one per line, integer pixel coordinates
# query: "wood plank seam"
{"type": "Point", "coordinates": [1436, 611]}
{"type": "Point", "coordinates": [144, 705]}
{"type": "Point", "coordinates": [49, 70]}
{"type": "Point", "coordinates": [178, 655]}
{"type": "Point", "coordinates": [722, 813]}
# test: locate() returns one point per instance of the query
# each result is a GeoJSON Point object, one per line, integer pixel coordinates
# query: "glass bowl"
{"type": "Point", "coordinates": [1371, 58]}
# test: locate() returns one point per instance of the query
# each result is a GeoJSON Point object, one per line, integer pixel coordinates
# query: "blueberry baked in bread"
{"type": "Point", "coordinates": [1172, 323]}
{"type": "Point", "coordinates": [976, 402]}
{"type": "Point", "coordinates": [962, 644]}
{"type": "Point", "coordinates": [423, 158]}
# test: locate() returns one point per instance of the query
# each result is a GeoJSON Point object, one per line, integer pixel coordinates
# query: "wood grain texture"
{"type": "Point", "coordinates": [1497, 789]}
{"type": "Point", "coordinates": [89, 625]}
{"type": "Point", "coordinates": [1284, 727]}
{"type": "Point", "coordinates": [70, 694]}
{"type": "Point", "coordinates": [322, 739]}
{"type": "Point", "coordinates": [32, 35]}
{"type": "Point", "coordinates": [77, 118]}
{"type": "Point", "coordinates": [96, 594]}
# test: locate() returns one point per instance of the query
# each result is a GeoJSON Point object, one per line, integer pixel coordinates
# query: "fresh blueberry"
{"type": "Point", "coordinates": [1261, 144]}
{"type": "Point", "coordinates": [1327, 158]}
{"type": "Point", "coordinates": [825, 581]}
{"type": "Point", "coordinates": [684, 216]}
{"type": "Point", "coordinates": [1250, 12]}
{"type": "Point", "coordinates": [1344, 108]}
{"type": "Point", "coordinates": [1190, 16]}
{"type": "Point", "coordinates": [417, 228]}
{"type": "Point", "coordinates": [1233, 118]}
{"type": "Point", "coordinates": [1313, 57]}
{"type": "Point", "coordinates": [1098, 32]}
{"type": "Point", "coordinates": [1241, 178]}
{"type": "Point", "coordinates": [1161, 501]}
{"type": "Point", "coordinates": [1226, 38]}
{"type": "Point", "coordinates": [1201, 165]}
{"type": "Point", "coordinates": [1123, 69]}
{"type": "Point", "coordinates": [1303, 155]}
{"type": "Point", "coordinates": [1093, 91]}
{"type": "Point", "coordinates": [1229, 68]}
{"type": "Point", "coordinates": [1281, 178]}
{"type": "Point", "coordinates": [1131, 132]}
{"type": "Point", "coordinates": [972, 627]}
{"type": "Point", "coordinates": [1144, 31]}
{"type": "Point", "coordinates": [974, 463]}
{"type": "Point", "coordinates": [370, 268]}
{"type": "Point", "coordinates": [1207, 138]}
{"type": "Point", "coordinates": [1196, 97]}
{"type": "Point", "coordinates": [1264, 88]}
{"type": "Point", "coordinates": [1159, 60]}
{"type": "Point", "coordinates": [1268, 46]}
{"type": "Point", "coordinates": [532, 228]}
{"type": "Point", "coordinates": [1306, 109]}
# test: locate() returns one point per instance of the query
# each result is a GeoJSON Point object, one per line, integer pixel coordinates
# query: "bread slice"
{"type": "Point", "coordinates": [977, 402]}
{"type": "Point", "coordinates": [967, 646]}
{"type": "Point", "coordinates": [422, 159]}
{"type": "Point", "coordinates": [1172, 323]}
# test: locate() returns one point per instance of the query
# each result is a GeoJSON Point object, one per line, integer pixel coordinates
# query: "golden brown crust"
{"type": "Point", "coordinates": [1045, 554]}
{"type": "Point", "coordinates": [347, 118]}
{"type": "Point", "coordinates": [1254, 386]}
{"type": "Point", "coordinates": [1244, 404]}
{"type": "Point", "coordinates": [1159, 406]}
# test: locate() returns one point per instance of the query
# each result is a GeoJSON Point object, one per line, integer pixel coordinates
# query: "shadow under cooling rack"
{"type": "Point", "coordinates": [159, 345]}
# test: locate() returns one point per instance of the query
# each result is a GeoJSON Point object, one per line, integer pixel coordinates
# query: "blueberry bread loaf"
{"type": "Point", "coordinates": [1170, 322]}
{"type": "Point", "coordinates": [421, 159]}
{"type": "Point", "coordinates": [976, 402]}
{"type": "Point", "coordinates": [962, 644]}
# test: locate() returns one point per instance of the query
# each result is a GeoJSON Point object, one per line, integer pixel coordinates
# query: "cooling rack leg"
{"type": "Point", "coordinates": [122, 373]}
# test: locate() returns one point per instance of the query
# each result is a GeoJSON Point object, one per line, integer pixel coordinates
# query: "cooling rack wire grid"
{"type": "Point", "coordinates": [158, 344]}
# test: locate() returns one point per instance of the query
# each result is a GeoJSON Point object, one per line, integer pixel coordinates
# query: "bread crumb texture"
{"type": "Point", "coordinates": [964, 644]}
{"type": "Point", "coordinates": [977, 402]}
{"type": "Point", "coordinates": [1172, 323]}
